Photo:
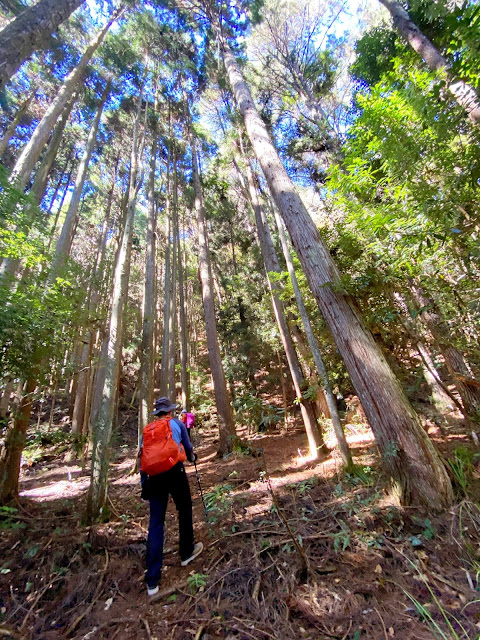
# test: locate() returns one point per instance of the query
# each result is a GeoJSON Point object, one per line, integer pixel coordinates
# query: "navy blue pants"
{"type": "Point", "coordinates": [171, 483]}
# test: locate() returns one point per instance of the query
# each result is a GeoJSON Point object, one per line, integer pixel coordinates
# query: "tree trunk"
{"type": "Point", "coordinates": [10, 266]}
{"type": "Point", "coordinates": [457, 366]}
{"type": "Point", "coordinates": [85, 374]}
{"type": "Point", "coordinates": [315, 439]}
{"type": "Point", "coordinates": [30, 32]}
{"type": "Point", "coordinates": [64, 242]}
{"type": "Point", "coordinates": [103, 425]}
{"type": "Point", "coordinates": [5, 399]}
{"type": "Point", "coordinates": [172, 316]}
{"type": "Point", "coordinates": [9, 133]}
{"type": "Point", "coordinates": [34, 147]}
{"type": "Point", "coordinates": [11, 454]}
{"type": "Point", "coordinates": [226, 425]}
{"type": "Point", "coordinates": [441, 396]}
{"type": "Point", "coordinates": [60, 206]}
{"type": "Point", "coordinates": [164, 379]}
{"type": "Point", "coordinates": [464, 94]}
{"type": "Point", "coordinates": [145, 395]}
{"type": "Point", "coordinates": [416, 469]}
{"type": "Point", "coordinates": [314, 348]}
{"type": "Point", "coordinates": [184, 379]}
{"type": "Point", "coordinates": [41, 176]}
{"type": "Point", "coordinates": [284, 387]}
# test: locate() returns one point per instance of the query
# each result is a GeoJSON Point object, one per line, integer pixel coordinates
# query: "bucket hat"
{"type": "Point", "coordinates": [163, 405]}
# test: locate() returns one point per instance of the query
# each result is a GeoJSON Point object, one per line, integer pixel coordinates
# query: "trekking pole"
{"type": "Point", "coordinates": [200, 487]}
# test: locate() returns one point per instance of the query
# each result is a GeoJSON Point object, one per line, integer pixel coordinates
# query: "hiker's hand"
{"type": "Point", "coordinates": [194, 457]}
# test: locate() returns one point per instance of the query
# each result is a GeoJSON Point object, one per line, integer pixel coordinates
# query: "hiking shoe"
{"type": "Point", "coordinates": [153, 594]}
{"type": "Point", "coordinates": [197, 550]}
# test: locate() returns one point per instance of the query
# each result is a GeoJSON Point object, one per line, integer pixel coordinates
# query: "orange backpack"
{"type": "Point", "coordinates": [160, 452]}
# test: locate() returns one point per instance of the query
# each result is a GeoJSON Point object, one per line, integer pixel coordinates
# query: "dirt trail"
{"type": "Point", "coordinates": [368, 562]}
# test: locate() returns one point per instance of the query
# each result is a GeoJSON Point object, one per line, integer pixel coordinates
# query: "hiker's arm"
{"type": "Point", "coordinates": [187, 445]}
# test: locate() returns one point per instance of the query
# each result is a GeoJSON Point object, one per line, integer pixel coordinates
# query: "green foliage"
{"type": "Point", "coordinates": [462, 466]}
{"type": "Point", "coordinates": [375, 51]}
{"type": "Point", "coordinates": [196, 582]}
{"type": "Point", "coordinates": [8, 518]}
{"type": "Point", "coordinates": [342, 538]}
{"type": "Point", "coordinates": [218, 501]}
{"type": "Point", "coordinates": [359, 475]}
{"type": "Point", "coordinates": [304, 486]}
{"type": "Point", "coordinates": [254, 412]}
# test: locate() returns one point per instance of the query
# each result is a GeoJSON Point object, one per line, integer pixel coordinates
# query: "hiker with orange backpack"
{"type": "Point", "coordinates": [164, 449]}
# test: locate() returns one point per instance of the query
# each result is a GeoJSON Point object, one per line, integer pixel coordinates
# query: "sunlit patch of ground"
{"type": "Point", "coordinates": [57, 490]}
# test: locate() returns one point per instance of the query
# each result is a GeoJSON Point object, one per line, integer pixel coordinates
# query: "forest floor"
{"type": "Point", "coordinates": [350, 564]}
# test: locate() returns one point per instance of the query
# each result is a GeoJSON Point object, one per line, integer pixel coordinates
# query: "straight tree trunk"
{"type": "Point", "coordinates": [11, 454]}
{"type": "Point", "coordinates": [10, 132]}
{"type": "Point", "coordinates": [315, 440]}
{"type": "Point", "coordinates": [5, 399]}
{"type": "Point", "coordinates": [284, 387]}
{"type": "Point", "coordinates": [226, 425]}
{"type": "Point", "coordinates": [64, 242]}
{"type": "Point", "coordinates": [60, 206]}
{"type": "Point", "coordinates": [164, 378]}
{"type": "Point", "coordinates": [34, 147]}
{"type": "Point", "coordinates": [417, 472]}
{"type": "Point", "coordinates": [41, 175]}
{"type": "Point", "coordinates": [10, 265]}
{"type": "Point", "coordinates": [85, 374]}
{"type": "Point", "coordinates": [103, 425]}
{"type": "Point", "coordinates": [458, 368]}
{"type": "Point", "coordinates": [30, 31]}
{"type": "Point", "coordinates": [145, 394]}
{"type": "Point", "coordinates": [66, 171]}
{"type": "Point", "coordinates": [441, 396]}
{"type": "Point", "coordinates": [314, 348]}
{"type": "Point", "coordinates": [181, 314]}
{"type": "Point", "coordinates": [464, 94]}
{"type": "Point", "coordinates": [172, 316]}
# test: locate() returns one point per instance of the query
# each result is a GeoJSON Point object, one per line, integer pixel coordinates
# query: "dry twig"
{"type": "Point", "coordinates": [96, 595]}
{"type": "Point", "coordinates": [147, 628]}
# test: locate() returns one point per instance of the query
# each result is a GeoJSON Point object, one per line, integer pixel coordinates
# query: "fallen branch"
{"type": "Point", "coordinates": [147, 628]}
{"type": "Point", "coordinates": [107, 624]}
{"type": "Point", "coordinates": [96, 595]}
{"type": "Point", "coordinates": [296, 543]}
{"type": "Point", "coordinates": [250, 622]}
{"type": "Point", "coordinates": [244, 533]}
{"type": "Point", "coordinates": [37, 598]}
{"type": "Point", "coordinates": [201, 629]}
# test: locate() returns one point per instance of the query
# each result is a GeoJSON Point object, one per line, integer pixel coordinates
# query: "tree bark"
{"type": "Point", "coordinates": [60, 206]}
{"type": "Point", "coordinates": [85, 374]}
{"type": "Point", "coordinates": [415, 467]}
{"type": "Point", "coordinates": [457, 366]}
{"type": "Point", "coordinates": [11, 454]}
{"type": "Point", "coordinates": [64, 242]}
{"type": "Point", "coordinates": [314, 348]}
{"type": "Point", "coordinates": [145, 395]}
{"type": "Point", "coordinates": [172, 316]}
{"type": "Point", "coordinates": [226, 425]}
{"type": "Point", "coordinates": [9, 133]}
{"type": "Point", "coordinates": [314, 436]}
{"type": "Point", "coordinates": [184, 378]}
{"type": "Point", "coordinates": [34, 147]}
{"type": "Point", "coordinates": [41, 175]}
{"type": "Point", "coordinates": [103, 425]}
{"type": "Point", "coordinates": [30, 31]}
{"type": "Point", "coordinates": [166, 301]}
{"type": "Point", "coordinates": [464, 94]}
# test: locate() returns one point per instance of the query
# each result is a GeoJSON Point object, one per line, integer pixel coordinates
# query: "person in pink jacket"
{"type": "Point", "coordinates": [188, 420]}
